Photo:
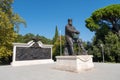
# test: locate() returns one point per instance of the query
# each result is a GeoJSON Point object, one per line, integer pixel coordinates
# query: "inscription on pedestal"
{"type": "Point", "coordinates": [32, 53]}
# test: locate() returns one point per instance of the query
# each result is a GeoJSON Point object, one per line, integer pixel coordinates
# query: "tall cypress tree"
{"type": "Point", "coordinates": [56, 35]}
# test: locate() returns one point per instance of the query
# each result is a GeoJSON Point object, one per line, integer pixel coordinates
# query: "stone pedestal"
{"type": "Point", "coordinates": [74, 63]}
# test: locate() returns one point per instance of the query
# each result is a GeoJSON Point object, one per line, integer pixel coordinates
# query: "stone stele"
{"type": "Point", "coordinates": [31, 53]}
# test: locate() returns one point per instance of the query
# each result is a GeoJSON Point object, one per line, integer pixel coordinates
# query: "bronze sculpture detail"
{"type": "Point", "coordinates": [71, 37]}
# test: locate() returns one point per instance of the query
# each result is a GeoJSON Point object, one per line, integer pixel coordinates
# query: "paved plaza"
{"type": "Point", "coordinates": [102, 71]}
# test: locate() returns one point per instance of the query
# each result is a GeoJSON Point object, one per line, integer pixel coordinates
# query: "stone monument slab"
{"type": "Point", "coordinates": [31, 53]}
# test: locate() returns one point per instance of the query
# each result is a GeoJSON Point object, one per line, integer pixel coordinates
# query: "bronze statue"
{"type": "Point", "coordinates": [71, 36]}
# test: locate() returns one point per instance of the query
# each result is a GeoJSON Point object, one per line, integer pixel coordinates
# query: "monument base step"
{"type": "Point", "coordinates": [76, 63]}
{"type": "Point", "coordinates": [31, 62]}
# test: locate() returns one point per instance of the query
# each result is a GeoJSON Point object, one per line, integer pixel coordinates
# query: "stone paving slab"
{"type": "Point", "coordinates": [102, 71]}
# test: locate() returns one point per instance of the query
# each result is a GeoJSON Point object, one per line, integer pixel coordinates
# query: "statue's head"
{"type": "Point", "coordinates": [70, 21]}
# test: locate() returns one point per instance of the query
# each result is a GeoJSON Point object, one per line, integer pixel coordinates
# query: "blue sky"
{"type": "Point", "coordinates": [42, 16]}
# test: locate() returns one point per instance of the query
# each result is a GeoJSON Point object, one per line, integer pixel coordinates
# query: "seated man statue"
{"type": "Point", "coordinates": [71, 36]}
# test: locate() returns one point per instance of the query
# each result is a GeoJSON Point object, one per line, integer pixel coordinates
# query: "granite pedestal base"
{"type": "Point", "coordinates": [74, 63]}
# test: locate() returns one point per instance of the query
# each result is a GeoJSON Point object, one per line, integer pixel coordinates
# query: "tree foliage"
{"type": "Point", "coordinates": [27, 37]}
{"type": "Point", "coordinates": [108, 16]}
{"type": "Point", "coordinates": [112, 47]}
{"type": "Point", "coordinates": [7, 33]}
{"type": "Point", "coordinates": [56, 47]}
{"type": "Point", "coordinates": [106, 24]}
{"type": "Point", "coordinates": [56, 35]}
{"type": "Point", "coordinates": [17, 20]}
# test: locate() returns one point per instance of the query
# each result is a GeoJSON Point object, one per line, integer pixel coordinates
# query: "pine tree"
{"type": "Point", "coordinates": [105, 22]}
